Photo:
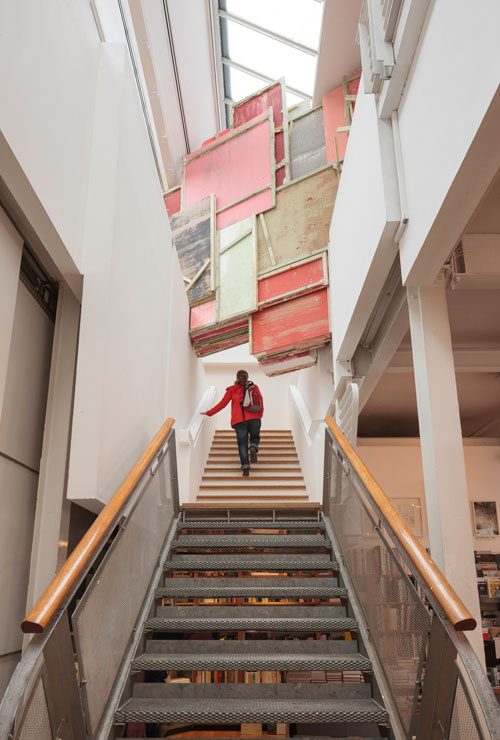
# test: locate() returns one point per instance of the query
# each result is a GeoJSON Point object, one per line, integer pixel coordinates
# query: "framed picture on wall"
{"type": "Point", "coordinates": [410, 510]}
{"type": "Point", "coordinates": [485, 518]}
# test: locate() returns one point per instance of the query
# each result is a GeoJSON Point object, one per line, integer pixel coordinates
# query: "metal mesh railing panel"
{"type": "Point", "coordinates": [103, 633]}
{"type": "Point", "coordinates": [462, 726]}
{"type": "Point", "coordinates": [36, 721]}
{"type": "Point", "coordinates": [395, 614]}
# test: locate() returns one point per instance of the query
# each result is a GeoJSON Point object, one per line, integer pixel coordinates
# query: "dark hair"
{"type": "Point", "coordinates": [241, 373]}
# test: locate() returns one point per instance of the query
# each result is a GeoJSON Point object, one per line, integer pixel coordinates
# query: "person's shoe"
{"type": "Point", "coordinates": [246, 472]}
{"type": "Point", "coordinates": [253, 453]}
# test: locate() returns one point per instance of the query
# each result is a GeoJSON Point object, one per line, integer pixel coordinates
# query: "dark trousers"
{"type": "Point", "coordinates": [245, 429]}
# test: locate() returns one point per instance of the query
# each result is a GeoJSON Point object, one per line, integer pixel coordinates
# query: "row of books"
{"type": "Point", "coordinates": [324, 677]}
{"type": "Point", "coordinates": [236, 677]}
{"type": "Point", "coordinates": [353, 676]}
{"type": "Point", "coordinates": [489, 586]}
{"type": "Point", "coordinates": [494, 675]}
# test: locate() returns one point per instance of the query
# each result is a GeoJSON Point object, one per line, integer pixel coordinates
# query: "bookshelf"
{"type": "Point", "coordinates": [488, 583]}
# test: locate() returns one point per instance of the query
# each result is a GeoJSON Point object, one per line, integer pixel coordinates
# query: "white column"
{"type": "Point", "coordinates": [446, 495]}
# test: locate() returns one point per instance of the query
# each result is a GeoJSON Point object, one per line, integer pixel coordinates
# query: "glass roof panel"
{"type": "Point", "coordinates": [240, 85]}
{"type": "Point", "coordinates": [299, 20]}
{"type": "Point", "coordinates": [269, 57]}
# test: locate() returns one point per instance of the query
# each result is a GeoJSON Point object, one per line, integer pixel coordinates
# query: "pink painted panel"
{"type": "Point", "coordinates": [203, 315]}
{"type": "Point", "coordinates": [295, 279]}
{"type": "Point", "coordinates": [173, 201]}
{"type": "Point", "coordinates": [234, 169]}
{"type": "Point", "coordinates": [279, 147]}
{"type": "Point", "coordinates": [249, 109]}
{"type": "Point", "coordinates": [334, 117]}
{"type": "Point", "coordinates": [297, 324]}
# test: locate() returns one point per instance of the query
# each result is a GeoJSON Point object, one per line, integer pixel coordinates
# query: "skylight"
{"type": "Point", "coordinates": [264, 40]}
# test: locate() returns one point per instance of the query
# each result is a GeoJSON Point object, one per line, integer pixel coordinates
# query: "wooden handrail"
{"type": "Point", "coordinates": [81, 557]}
{"type": "Point", "coordinates": [451, 604]}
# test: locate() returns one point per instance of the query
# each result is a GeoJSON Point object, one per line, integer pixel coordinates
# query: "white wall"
{"type": "Point", "coordinates": [71, 115]}
{"type": "Point", "coordinates": [363, 224]}
{"type": "Point", "coordinates": [315, 388]}
{"type": "Point", "coordinates": [221, 371]}
{"type": "Point", "coordinates": [397, 466]}
{"type": "Point", "coordinates": [446, 99]}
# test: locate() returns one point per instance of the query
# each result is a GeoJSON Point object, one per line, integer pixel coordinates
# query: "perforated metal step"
{"type": "Point", "coordinates": [264, 587]}
{"type": "Point", "coordinates": [258, 562]}
{"type": "Point", "coordinates": [288, 541]}
{"type": "Point", "coordinates": [205, 623]}
{"type": "Point", "coordinates": [228, 711]}
{"type": "Point", "coordinates": [251, 525]}
{"type": "Point", "coordinates": [250, 662]}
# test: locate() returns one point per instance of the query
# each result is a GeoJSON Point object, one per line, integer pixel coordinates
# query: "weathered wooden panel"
{"type": "Point", "coordinates": [273, 96]}
{"type": "Point", "coordinates": [300, 277]}
{"type": "Point", "coordinates": [173, 200]}
{"type": "Point", "coordinates": [193, 232]}
{"type": "Point", "coordinates": [334, 117]}
{"type": "Point", "coordinates": [289, 363]}
{"type": "Point", "coordinates": [239, 169]}
{"type": "Point", "coordinates": [202, 315]}
{"type": "Point", "coordinates": [292, 326]}
{"type": "Point", "coordinates": [236, 270]}
{"type": "Point", "coordinates": [300, 223]}
{"type": "Point", "coordinates": [307, 143]}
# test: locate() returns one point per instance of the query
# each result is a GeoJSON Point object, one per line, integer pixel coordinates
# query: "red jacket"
{"type": "Point", "coordinates": [235, 393]}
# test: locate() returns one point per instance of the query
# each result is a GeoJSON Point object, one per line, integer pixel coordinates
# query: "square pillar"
{"type": "Point", "coordinates": [446, 494]}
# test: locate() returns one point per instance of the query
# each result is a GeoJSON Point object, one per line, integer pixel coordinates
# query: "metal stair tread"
{"type": "Point", "coordinates": [250, 661]}
{"type": "Point", "coordinates": [265, 587]}
{"type": "Point", "coordinates": [259, 647]}
{"type": "Point", "coordinates": [250, 524]}
{"type": "Point", "coordinates": [258, 561]}
{"type": "Point", "coordinates": [218, 541]}
{"type": "Point", "coordinates": [226, 711]}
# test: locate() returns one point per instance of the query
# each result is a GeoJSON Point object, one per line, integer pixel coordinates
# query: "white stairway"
{"type": "Point", "coordinates": [275, 478]}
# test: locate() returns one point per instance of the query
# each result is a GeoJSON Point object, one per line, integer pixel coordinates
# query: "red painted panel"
{"type": "Point", "coordinates": [270, 98]}
{"type": "Point", "coordinates": [173, 201]}
{"type": "Point", "coordinates": [334, 117]}
{"type": "Point", "coordinates": [303, 322]}
{"type": "Point", "coordinates": [280, 176]}
{"type": "Point", "coordinates": [296, 279]}
{"type": "Point", "coordinates": [203, 315]}
{"type": "Point", "coordinates": [234, 169]}
{"type": "Point", "coordinates": [279, 147]}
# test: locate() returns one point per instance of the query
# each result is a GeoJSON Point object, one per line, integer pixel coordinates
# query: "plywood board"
{"type": "Point", "coordinates": [236, 270]}
{"type": "Point", "coordinates": [173, 200]}
{"type": "Point", "coordinates": [288, 363]}
{"type": "Point", "coordinates": [238, 168]}
{"type": "Point", "coordinates": [292, 326]}
{"type": "Point", "coordinates": [307, 143]}
{"type": "Point", "coordinates": [297, 278]}
{"type": "Point", "coordinates": [193, 232]}
{"type": "Point", "coordinates": [202, 315]}
{"type": "Point", "coordinates": [273, 96]}
{"type": "Point", "coordinates": [334, 117]}
{"type": "Point", "coordinates": [300, 223]}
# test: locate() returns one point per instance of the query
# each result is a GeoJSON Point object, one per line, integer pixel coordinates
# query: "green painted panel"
{"type": "Point", "coordinates": [237, 278]}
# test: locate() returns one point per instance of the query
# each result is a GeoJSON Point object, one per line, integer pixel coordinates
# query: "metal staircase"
{"type": "Point", "coordinates": [220, 560]}
{"type": "Point", "coordinates": [257, 583]}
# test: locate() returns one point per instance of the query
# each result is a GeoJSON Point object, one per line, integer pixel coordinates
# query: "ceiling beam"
{"type": "Point", "coordinates": [467, 360]}
{"type": "Point", "coordinates": [241, 68]}
{"type": "Point", "coordinates": [267, 32]}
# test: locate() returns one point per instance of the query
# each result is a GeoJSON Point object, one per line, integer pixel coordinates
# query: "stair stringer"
{"type": "Point", "coordinates": [381, 689]}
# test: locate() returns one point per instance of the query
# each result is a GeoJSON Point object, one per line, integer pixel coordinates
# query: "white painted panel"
{"type": "Point", "coordinates": [363, 225]}
{"type": "Point", "coordinates": [17, 503]}
{"type": "Point", "coordinates": [438, 125]}
{"type": "Point", "coordinates": [237, 278]}
{"type": "Point", "coordinates": [23, 413]}
{"type": "Point", "coordinates": [11, 247]}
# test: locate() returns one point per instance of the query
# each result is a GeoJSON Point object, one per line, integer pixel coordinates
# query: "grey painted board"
{"type": "Point", "coordinates": [307, 143]}
{"type": "Point", "coordinates": [193, 231]}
